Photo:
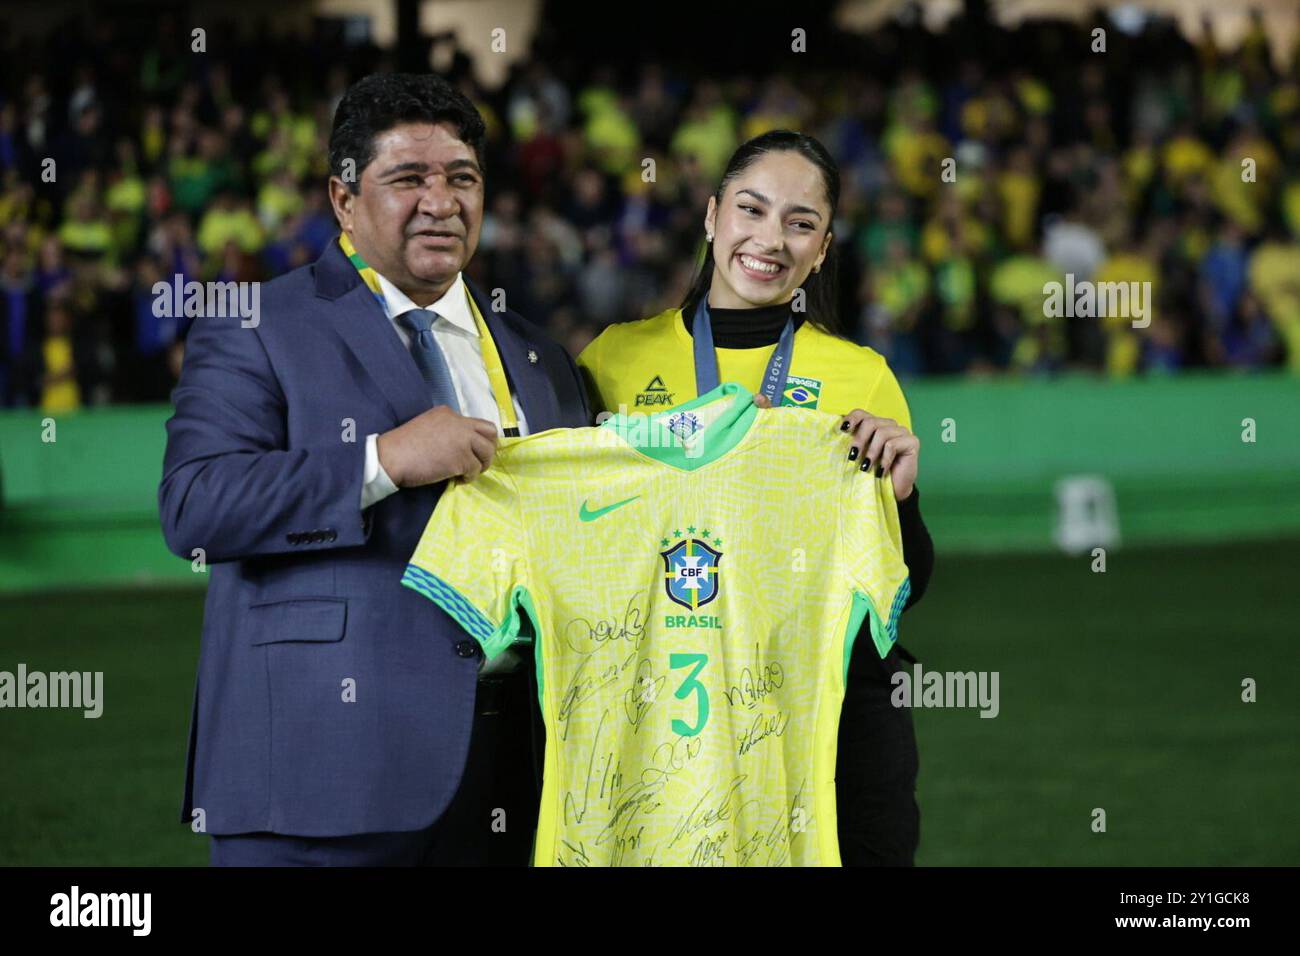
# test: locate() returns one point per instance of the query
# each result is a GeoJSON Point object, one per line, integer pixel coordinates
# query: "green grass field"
{"type": "Point", "coordinates": [1119, 691]}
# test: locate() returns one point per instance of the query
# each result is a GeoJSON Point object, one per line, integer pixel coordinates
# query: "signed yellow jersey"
{"type": "Point", "coordinates": [693, 581]}
{"type": "Point", "coordinates": [649, 366]}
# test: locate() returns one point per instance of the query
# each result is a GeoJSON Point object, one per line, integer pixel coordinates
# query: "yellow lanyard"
{"type": "Point", "coordinates": [496, 373]}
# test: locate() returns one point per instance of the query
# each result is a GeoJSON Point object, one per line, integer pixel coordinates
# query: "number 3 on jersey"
{"type": "Point", "coordinates": [676, 661]}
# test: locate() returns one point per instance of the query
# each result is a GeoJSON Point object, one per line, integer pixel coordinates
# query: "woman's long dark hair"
{"type": "Point", "coordinates": [820, 288]}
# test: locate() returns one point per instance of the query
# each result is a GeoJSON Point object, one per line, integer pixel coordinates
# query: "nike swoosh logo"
{"type": "Point", "coordinates": [587, 515]}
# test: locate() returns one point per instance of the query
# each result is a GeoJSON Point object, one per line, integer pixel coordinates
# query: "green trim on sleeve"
{"type": "Point", "coordinates": [537, 660]}
{"type": "Point", "coordinates": [450, 600]}
{"type": "Point", "coordinates": [861, 605]}
{"type": "Point", "coordinates": [522, 598]}
{"type": "Point", "coordinates": [507, 634]}
{"type": "Point", "coordinates": [493, 639]}
{"type": "Point", "coordinates": [883, 633]}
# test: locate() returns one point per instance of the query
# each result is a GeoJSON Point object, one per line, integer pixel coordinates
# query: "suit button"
{"type": "Point", "coordinates": [318, 536]}
{"type": "Point", "coordinates": [331, 534]}
{"type": "Point", "coordinates": [293, 537]}
{"type": "Point", "coordinates": [466, 648]}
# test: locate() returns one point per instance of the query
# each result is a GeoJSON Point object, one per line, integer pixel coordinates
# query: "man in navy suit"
{"type": "Point", "coordinates": [335, 717]}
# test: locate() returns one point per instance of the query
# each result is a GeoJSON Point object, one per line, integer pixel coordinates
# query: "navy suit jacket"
{"type": "Point", "coordinates": [262, 473]}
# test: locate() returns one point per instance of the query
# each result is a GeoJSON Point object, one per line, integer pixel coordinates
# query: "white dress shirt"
{"type": "Point", "coordinates": [457, 335]}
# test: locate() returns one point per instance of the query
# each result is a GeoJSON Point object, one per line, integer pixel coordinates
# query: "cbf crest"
{"type": "Point", "coordinates": [691, 573]}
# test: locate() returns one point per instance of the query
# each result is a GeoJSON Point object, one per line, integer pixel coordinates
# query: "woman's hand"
{"type": "Point", "coordinates": [887, 446]}
{"type": "Point", "coordinates": [879, 443]}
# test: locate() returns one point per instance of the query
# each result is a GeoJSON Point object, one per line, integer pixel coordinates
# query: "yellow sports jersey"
{"type": "Point", "coordinates": [694, 581]}
{"type": "Point", "coordinates": [649, 365]}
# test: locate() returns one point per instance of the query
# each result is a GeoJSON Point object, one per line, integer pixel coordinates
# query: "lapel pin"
{"type": "Point", "coordinates": [532, 357]}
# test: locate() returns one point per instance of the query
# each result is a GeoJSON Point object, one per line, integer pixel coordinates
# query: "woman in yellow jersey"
{"type": "Point", "coordinates": [762, 312]}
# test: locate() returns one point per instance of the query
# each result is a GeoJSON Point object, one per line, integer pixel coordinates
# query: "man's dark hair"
{"type": "Point", "coordinates": [376, 103]}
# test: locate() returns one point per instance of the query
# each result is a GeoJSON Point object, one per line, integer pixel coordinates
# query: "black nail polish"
{"type": "Point", "coordinates": [853, 453]}
{"type": "Point", "coordinates": [844, 427]}
{"type": "Point", "coordinates": [880, 471]}
{"type": "Point", "coordinates": [866, 465]}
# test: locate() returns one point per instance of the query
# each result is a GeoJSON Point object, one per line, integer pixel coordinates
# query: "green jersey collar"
{"type": "Point", "coordinates": [658, 435]}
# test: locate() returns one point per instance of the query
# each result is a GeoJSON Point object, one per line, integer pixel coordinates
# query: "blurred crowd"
{"type": "Point", "coordinates": [127, 161]}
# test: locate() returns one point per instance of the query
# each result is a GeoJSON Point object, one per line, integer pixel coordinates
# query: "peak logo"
{"type": "Point", "coordinates": [655, 393]}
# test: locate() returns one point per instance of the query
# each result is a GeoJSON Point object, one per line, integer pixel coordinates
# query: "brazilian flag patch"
{"type": "Point", "coordinates": [804, 392]}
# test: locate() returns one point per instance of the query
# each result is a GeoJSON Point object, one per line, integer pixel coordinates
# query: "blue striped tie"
{"type": "Point", "coordinates": [428, 356]}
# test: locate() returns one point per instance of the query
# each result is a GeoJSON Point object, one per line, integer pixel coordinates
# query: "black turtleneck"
{"type": "Point", "coordinates": [746, 328]}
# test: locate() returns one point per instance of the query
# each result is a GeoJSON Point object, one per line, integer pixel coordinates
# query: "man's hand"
{"type": "Point", "coordinates": [436, 445]}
